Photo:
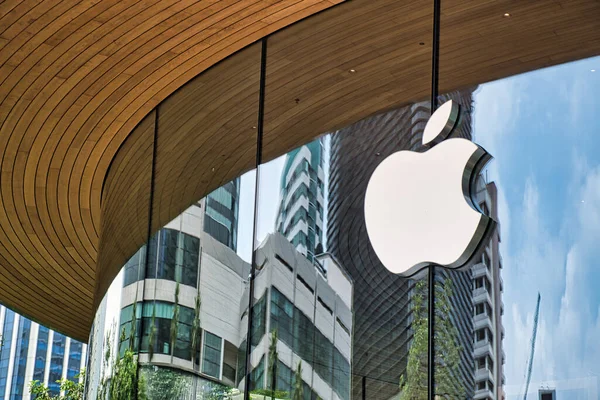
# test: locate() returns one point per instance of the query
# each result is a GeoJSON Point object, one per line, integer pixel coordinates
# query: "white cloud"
{"type": "Point", "coordinates": [568, 345]}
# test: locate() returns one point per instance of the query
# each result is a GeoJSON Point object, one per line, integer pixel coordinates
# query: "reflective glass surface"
{"type": "Point", "coordinates": [269, 286]}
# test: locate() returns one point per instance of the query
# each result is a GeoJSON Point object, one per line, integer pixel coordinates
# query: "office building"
{"type": "Point", "coordinates": [221, 213]}
{"type": "Point", "coordinates": [300, 217]}
{"type": "Point", "coordinates": [29, 352]}
{"type": "Point", "coordinates": [311, 313]}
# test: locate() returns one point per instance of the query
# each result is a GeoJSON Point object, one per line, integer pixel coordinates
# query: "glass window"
{"type": "Point", "coordinates": [323, 357]}
{"type": "Point", "coordinates": [40, 354]}
{"type": "Point", "coordinates": [18, 379]}
{"type": "Point", "coordinates": [341, 375]}
{"type": "Point", "coordinates": [211, 358]}
{"type": "Point", "coordinates": [74, 365]}
{"type": "Point", "coordinates": [56, 362]}
{"type": "Point", "coordinates": [282, 314]}
{"type": "Point", "coordinates": [7, 338]}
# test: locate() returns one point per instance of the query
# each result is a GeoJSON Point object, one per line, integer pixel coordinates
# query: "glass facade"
{"type": "Point", "coordinates": [20, 363]}
{"type": "Point", "coordinates": [269, 285]}
{"type": "Point", "coordinates": [7, 338]}
{"type": "Point", "coordinates": [56, 363]}
{"type": "Point", "coordinates": [40, 354]}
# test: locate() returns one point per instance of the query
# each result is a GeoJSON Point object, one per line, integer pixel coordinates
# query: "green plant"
{"type": "Point", "coordinates": [196, 331]}
{"type": "Point", "coordinates": [297, 393]}
{"type": "Point", "coordinates": [122, 383]}
{"type": "Point", "coordinates": [73, 390]}
{"type": "Point", "coordinates": [175, 319]}
{"type": "Point", "coordinates": [273, 361]}
{"type": "Point", "coordinates": [413, 385]}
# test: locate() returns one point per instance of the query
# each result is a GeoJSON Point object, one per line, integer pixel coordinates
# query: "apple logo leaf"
{"type": "Point", "coordinates": [421, 208]}
{"type": "Point", "coordinates": [441, 123]}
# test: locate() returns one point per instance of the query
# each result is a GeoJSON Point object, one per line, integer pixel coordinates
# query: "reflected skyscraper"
{"type": "Point", "coordinates": [382, 300]}
{"type": "Point", "coordinates": [300, 216]}
{"type": "Point", "coordinates": [221, 213]}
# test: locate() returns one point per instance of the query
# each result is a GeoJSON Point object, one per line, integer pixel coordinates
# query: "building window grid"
{"type": "Point", "coordinates": [20, 363]}
{"type": "Point", "coordinates": [7, 337]}
{"type": "Point", "coordinates": [211, 357]}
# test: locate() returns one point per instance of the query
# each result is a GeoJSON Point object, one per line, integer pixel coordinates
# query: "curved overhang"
{"type": "Point", "coordinates": [91, 91]}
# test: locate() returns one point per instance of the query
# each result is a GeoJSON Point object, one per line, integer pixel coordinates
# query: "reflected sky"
{"type": "Point", "coordinates": [543, 129]}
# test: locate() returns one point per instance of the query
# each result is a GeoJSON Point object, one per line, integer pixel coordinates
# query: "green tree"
{"type": "Point", "coordinates": [73, 390]}
{"type": "Point", "coordinates": [196, 330]}
{"type": "Point", "coordinates": [413, 386]}
{"type": "Point", "coordinates": [297, 392]}
{"type": "Point", "coordinates": [175, 319]}
{"type": "Point", "coordinates": [273, 361]}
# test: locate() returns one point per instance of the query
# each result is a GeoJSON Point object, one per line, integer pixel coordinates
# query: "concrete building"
{"type": "Point", "coordinates": [312, 314]}
{"type": "Point", "coordinates": [301, 208]}
{"type": "Point", "coordinates": [488, 307]}
{"type": "Point", "coordinates": [309, 308]}
{"type": "Point", "coordinates": [30, 352]}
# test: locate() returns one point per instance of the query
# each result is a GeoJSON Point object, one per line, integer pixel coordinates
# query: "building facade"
{"type": "Point", "coordinates": [194, 275]}
{"type": "Point", "coordinates": [221, 213]}
{"type": "Point", "coordinates": [383, 324]}
{"type": "Point", "coordinates": [29, 352]}
{"type": "Point", "coordinates": [301, 209]}
{"type": "Point", "coordinates": [488, 307]}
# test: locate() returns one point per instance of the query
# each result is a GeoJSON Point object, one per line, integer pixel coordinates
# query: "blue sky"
{"type": "Point", "coordinates": [543, 129]}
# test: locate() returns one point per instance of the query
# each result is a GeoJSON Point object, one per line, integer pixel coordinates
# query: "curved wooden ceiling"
{"type": "Point", "coordinates": [78, 77]}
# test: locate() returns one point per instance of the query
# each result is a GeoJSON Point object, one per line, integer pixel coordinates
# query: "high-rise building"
{"type": "Point", "coordinates": [382, 306]}
{"type": "Point", "coordinates": [29, 351]}
{"type": "Point", "coordinates": [221, 211]}
{"type": "Point", "coordinates": [488, 308]}
{"type": "Point", "coordinates": [300, 217]}
{"type": "Point", "coordinates": [311, 311]}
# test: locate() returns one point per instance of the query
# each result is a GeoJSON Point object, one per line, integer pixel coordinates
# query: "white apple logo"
{"type": "Point", "coordinates": [419, 207]}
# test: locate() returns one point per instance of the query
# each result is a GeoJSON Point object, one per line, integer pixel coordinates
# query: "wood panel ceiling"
{"type": "Point", "coordinates": [78, 77]}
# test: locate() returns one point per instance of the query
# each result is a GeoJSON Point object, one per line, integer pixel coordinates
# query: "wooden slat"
{"type": "Point", "coordinates": [78, 83]}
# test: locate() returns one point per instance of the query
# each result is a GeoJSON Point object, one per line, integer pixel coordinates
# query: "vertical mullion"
{"type": "Point", "coordinates": [259, 138]}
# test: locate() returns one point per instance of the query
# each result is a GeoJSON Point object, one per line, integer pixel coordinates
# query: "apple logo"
{"type": "Point", "coordinates": [420, 208]}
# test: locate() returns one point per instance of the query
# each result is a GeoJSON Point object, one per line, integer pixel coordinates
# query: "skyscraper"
{"type": "Point", "coordinates": [30, 352]}
{"type": "Point", "coordinates": [221, 212]}
{"type": "Point", "coordinates": [300, 217]}
{"type": "Point", "coordinates": [382, 306]}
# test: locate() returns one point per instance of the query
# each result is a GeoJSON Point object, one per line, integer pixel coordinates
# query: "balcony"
{"type": "Point", "coordinates": [483, 394]}
{"type": "Point", "coordinates": [484, 374]}
{"type": "Point", "coordinates": [482, 348]}
{"type": "Point", "coordinates": [480, 270]}
{"type": "Point", "coordinates": [480, 295]}
{"type": "Point", "coordinates": [482, 321]}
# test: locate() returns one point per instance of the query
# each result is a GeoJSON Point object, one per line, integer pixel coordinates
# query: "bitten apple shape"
{"type": "Point", "coordinates": [419, 207]}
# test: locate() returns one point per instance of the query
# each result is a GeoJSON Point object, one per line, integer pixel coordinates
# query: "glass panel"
{"type": "Point", "coordinates": [340, 318]}
{"type": "Point", "coordinates": [177, 312]}
{"type": "Point", "coordinates": [533, 324]}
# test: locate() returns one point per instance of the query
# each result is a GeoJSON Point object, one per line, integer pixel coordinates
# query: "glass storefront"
{"type": "Point", "coordinates": [268, 287]}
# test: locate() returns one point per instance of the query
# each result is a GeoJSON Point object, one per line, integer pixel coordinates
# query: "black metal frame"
{"type": "Point", "coordinates": [259, 138]}
{"type": "Point", "coordinates": [435, 70]}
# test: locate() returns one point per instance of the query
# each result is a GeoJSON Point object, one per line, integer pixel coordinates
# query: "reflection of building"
{"type": "Point", "coordinates": [312, 314]}
{"type": "Point", "coordinates": [221, 209]}
{"type": "Point", "coordinates": [30, 352]}
{"type": "Point", "coordinates": [488, 307]}
{"type": "Point", "coordinates": [382, 324]}
{"type": "Point", "coordinates": [300, 217]}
